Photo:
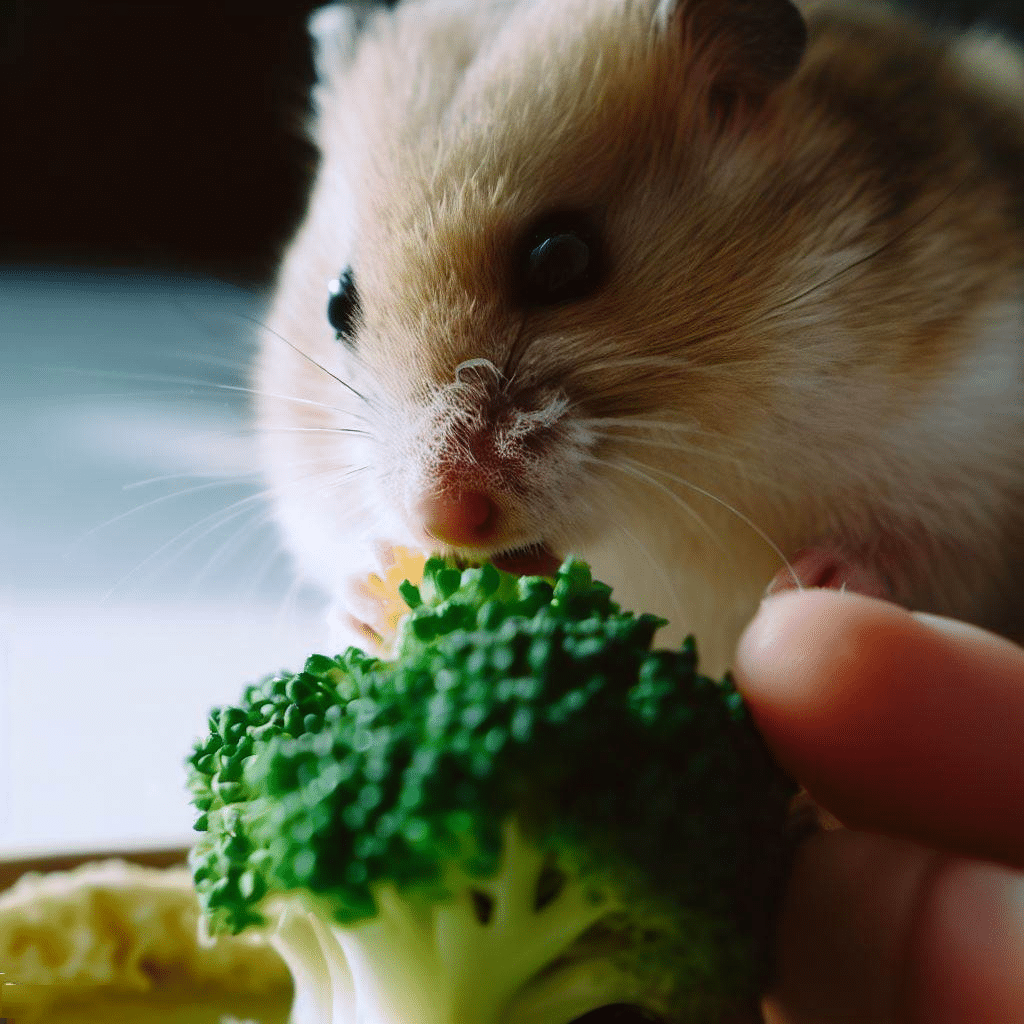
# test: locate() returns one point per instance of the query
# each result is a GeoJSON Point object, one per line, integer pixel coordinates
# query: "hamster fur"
{"type": "Point", "coordinates": [803, 337]}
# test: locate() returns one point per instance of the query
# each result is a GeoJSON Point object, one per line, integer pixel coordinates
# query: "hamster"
{"type": "Point", "coordinates": [718, 295]}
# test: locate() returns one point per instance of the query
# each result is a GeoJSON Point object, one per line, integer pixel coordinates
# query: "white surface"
{"type": "Point", "coordinates": [133, 596]}
{"type": "Point", "coordinates": [99, 709]}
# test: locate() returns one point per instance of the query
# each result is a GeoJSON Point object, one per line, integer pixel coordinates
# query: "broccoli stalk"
{"type": "Point", "coordinates": [527, 815]}
{"type": "Point", "coordinates": [477, 955]}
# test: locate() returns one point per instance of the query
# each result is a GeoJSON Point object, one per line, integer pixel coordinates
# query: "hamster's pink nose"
{"type": "Point", "coordinates": [465, 518]}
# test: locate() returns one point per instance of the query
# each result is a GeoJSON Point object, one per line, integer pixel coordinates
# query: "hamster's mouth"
{"type": "Point", "coordinates": [530, 560]}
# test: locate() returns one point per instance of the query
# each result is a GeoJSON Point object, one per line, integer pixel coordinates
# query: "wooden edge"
{"type": "Point", "coordinates": [12, 870]}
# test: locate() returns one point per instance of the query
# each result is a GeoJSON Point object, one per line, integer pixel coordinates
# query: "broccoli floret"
{"type": "Point", "coordinates": [525, 815]}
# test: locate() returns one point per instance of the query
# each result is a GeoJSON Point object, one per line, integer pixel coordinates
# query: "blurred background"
{"type": "Point", "coordinates": [152, 166]}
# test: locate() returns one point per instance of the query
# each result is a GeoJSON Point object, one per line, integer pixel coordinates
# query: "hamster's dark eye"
{"type": "Point", "coordinates": [561, 262]}
{"type": "Point", "coordinates": [343, 307]}
{"type": "Point", "coordinates": [618, 1013]}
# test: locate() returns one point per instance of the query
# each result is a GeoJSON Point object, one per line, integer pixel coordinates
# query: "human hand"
{"type": "Point", "coordinates": [910, 730]}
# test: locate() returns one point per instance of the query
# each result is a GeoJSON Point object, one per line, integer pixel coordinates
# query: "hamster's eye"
{"type": "Point", "coordinates": [343, 307]}
{"type": "Point", "coordinates": [618, 1013]}
{"type": "Point", "coordinates": [561, 262]}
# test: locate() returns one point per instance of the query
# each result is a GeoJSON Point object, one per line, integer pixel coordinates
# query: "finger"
{"type": "Point", "coordinates": [966, 960]}
{"type": "Point", "coordinates": [886, 931]}
{"type": "Point", "coordinates": [899, 724]}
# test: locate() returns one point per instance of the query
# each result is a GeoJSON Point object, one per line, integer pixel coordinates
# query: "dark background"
{"type": "Point", "coordinates": [168, 134]}
{"type": "Point", "coordinates": [155, 134]}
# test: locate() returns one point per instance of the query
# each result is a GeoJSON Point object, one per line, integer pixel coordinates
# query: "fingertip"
{"type": "Point", "coordinates": [799, 638]}
{"type": "Point", "coordinates": [898, 723]}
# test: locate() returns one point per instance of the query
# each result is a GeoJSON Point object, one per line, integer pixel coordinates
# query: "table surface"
{"type": "Point", "coordinates": [141, 581]}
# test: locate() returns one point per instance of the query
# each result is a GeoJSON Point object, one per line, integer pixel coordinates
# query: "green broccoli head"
{"type": "Point", "coordinates": [526, 815]}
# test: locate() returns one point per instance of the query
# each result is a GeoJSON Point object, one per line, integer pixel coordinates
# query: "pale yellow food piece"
{"type": "Point", "coordinates": [408, 566]}
{"type": "Point", "coordinates": [92, 943]}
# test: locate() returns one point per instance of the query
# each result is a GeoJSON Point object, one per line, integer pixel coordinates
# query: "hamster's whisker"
{"type": "Point", "coordinates": [245, 534]}
{"type": "Point", "coordinates": [641, 363]}
{"type": "Point", "coordinates": [305, 355]}
{"type": "Point", "coordinates": [218, 518]}
{"type": "Point", "coordinates": [189, 382]}
{"type": "Point", "coordinates": [684, 364]}
{"type": "Point", "coordinates": [673, 444]}
{"type": "Point", "coordinates": [260, 573]}
{"type": "Point", "coordinates": [332, 479]}
{"type": "Point", "coordinates": [595, 427]}
{"type": "Point", "coordinates": [658, 568]}
{"type": "Point", "coordinates": [210, 322]}
{"type": "Point", "coordinates": [234, 482]}
{"type": "Point", "coordinates": [229, 478]}
{"type": "Point", "coordinates": [80, 372]}
{"type": "Point", "coordinates": [328, 475]}
{"type": "Point", "coordinates": [88, 396]}
{"type": "Point", "coordinates": [635, 423]}
{"type": "Point", "coordinates": [226, 478]}
{"type": "Point", "coordinates": [222, 517]}
{"type": "Point", "coordinates": [260, 518]}
{"type": "Point", "coordinates": [287, 603]}
{"type": "Point", "coordinates": [697, 450]}
{"type": "Point", "coordinates": [694, 429]}
{"type": "Point", "coordinates": [873, 254]}
{"type": "Point", "coordinates": [312, 430]}
{"type": "Point", "coordinates": [298, 400]}
{"type": "Point", "coordinates": [189, 360]}
{"type": "Point", "coordinates": [266, 517]}
{"type": "Point", "coordinates": [322, 480]}
{"type": "Point", "coordinates": [729, 508]}
{"type": "Point", "coordinates": [632, 468]}
{"type": "Point", "coordinates": [310, 402]}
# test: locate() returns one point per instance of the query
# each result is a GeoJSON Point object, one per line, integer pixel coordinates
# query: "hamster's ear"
{"type": "Point", "coordinates": [747, 47]}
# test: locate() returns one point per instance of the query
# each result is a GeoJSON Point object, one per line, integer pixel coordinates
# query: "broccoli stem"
{"type": "Point", "coordinates": [467, 959]}
{"type": "Point", "coordinates": [362, 814]}
{"type": "Point", "coordinates": [300, 942]}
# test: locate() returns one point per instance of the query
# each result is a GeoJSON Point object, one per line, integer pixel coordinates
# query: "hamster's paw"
{"type": "Point", "coordinates": [368, 606]}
